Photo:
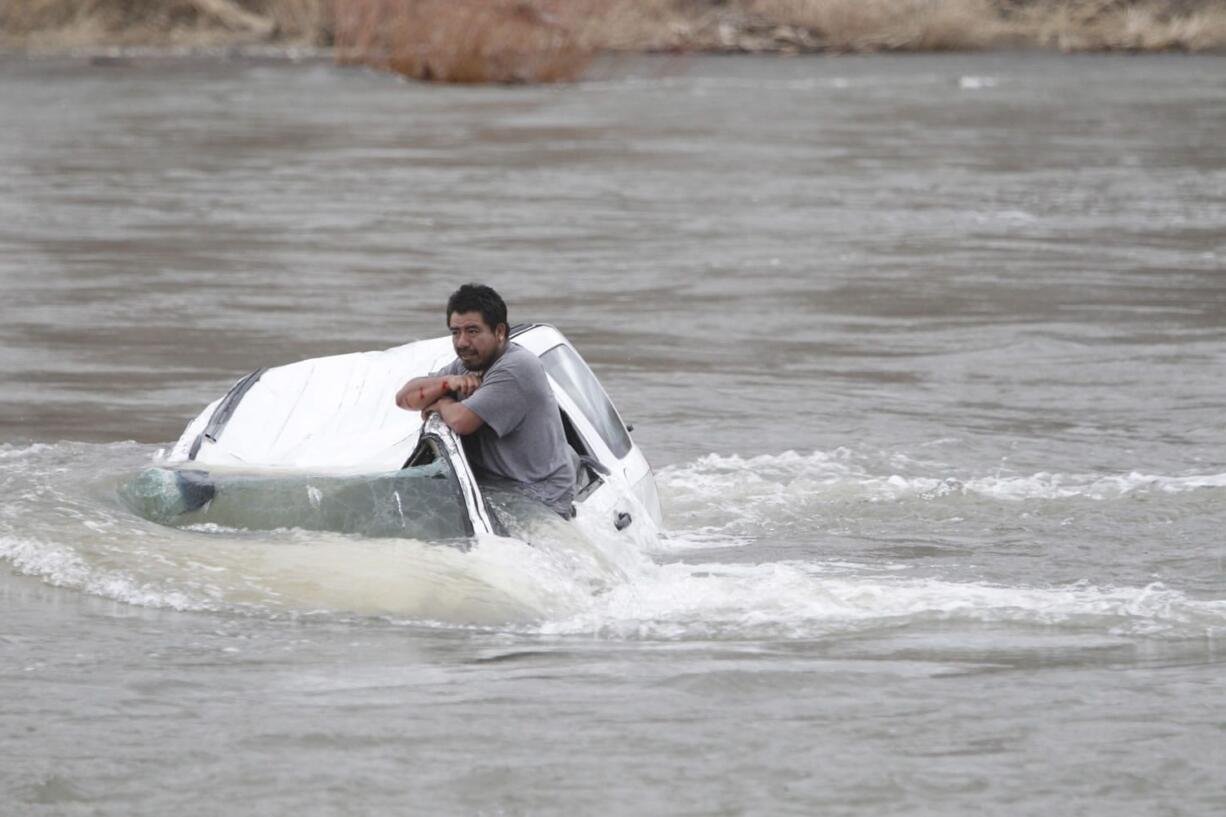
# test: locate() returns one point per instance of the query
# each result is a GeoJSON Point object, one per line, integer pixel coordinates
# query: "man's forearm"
{"type": "Point", "coordinates": [421, 392]}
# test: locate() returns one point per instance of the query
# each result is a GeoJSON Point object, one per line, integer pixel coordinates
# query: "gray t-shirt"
{"type": "Point", "coordinates": [522, 439]}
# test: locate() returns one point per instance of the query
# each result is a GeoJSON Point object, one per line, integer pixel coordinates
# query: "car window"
{"type": "Point", "coordinates": [421, 502]}
{"type": "Point", "coordinates": [573, 375]}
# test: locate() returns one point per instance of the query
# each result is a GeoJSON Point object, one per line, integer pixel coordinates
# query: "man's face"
{"type": "Point", "coordinates": [476, 344]}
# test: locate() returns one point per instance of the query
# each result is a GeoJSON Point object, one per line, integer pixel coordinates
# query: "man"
{"type": "Point", "coordinates": [496, 397]}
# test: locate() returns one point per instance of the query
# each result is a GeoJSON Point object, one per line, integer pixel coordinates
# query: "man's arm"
{"type": "Point", "coordinates": [499, 404]}
{"type": "Point", "coordinates": [458, 417]}
{"type": "Point", "coordinates": [422, 392]}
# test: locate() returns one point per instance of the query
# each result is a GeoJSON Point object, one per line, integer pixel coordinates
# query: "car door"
{"type": "Point", "coordinates": [437, 442]}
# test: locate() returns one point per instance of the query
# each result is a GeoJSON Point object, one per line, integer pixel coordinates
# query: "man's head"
{"type": "Point", "coordinates": [477, 318]}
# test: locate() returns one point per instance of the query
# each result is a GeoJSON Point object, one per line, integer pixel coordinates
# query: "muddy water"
{"type": "Point", "coordinates": [927, 353]}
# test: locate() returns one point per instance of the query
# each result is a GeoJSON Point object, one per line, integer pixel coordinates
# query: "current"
{"type": "Point", "coordinates": [927, 352]}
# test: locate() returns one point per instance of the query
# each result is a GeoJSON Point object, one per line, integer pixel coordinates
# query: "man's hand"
{"type": "Point", "coordinates": [463, 384]}
{"type": "Point", "coordinates": [421, 392]}
{"type": "Point", "coordinates": [458, 417]}
{"type": "Point", "coordinates": [436, 406]}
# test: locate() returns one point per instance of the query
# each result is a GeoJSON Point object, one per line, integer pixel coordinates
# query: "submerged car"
{"type": "Point", "coordinates": [320, 444]}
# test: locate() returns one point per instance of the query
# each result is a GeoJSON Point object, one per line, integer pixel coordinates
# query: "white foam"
{"type": "Point", "coordinates": [212, 528]}
{"type": "Point", "coordinates": [584, 582]}
{"type": "Point", "coordinates": [507, 584]}
{"type": "Point", "coordinates": [60, 566]}
{"type": "Point", "coordinates": [9, 451]}
{"type": "Point", "coordinates": [788, 600]}
{"type": "Point", "coordinates": [725, 501]}
{"type": "Point", "coordinates": [840, 473]}
{"type": "Point", "coordinates": [972, 83]}
{"type": "Point", "coordinates": [1041, 486]}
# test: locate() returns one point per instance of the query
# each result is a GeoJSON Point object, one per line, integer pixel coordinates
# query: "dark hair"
{"type": "Point", "coordinates": [479, 298]}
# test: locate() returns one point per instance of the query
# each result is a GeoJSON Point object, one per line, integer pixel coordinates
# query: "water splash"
{"type": "Point", "coordinates": [64, 523]}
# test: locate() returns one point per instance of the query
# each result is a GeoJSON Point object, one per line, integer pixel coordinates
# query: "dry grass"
{"type": "Point", "coordinates": [553, 40]}
{"type": "Point", "coordinates": [1118, 25]}
{"type": "Point", "coordinates": [934, 25]}
{"type": "Point", "coordinates": [199, 23]}
{"type": "Point", "coordinates": [661, 25]}
{"type": "Point", "coordinates": [306, 21]}
{"type": "Point", "coordinates": [466, 41]}
{"type": "Point", "coordinates": [889, 25]}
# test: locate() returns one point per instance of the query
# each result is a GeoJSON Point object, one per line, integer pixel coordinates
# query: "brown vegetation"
{"type": "Point", "coordinates": [66, 24]}
{"type": "Point", "coordinates": [935, 25]}
{"type": "Point", "coordinates": [889, 25]}
{"type": "Point", "coordinates": [466, 40]}
{"type": "Point", "coordinates": [1122, 25]}
{"type": "Point", "coordinates": [550, 40]}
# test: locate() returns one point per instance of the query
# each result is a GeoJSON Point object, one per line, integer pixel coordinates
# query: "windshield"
{"type": "Point", "coordinates": [422, 502]}
{"type": "Point", "coordinates": [577, 380]}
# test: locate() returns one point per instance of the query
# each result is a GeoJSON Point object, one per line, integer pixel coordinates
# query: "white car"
{"type": "Point", "coordinates": [320, 444]}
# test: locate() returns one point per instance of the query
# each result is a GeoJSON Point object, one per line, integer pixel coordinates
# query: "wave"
{"type": "Point", "coordinates": [722, 498]}
{"type": "Point", "coordinates": [507, 585]}
{"type": "Point", "coordinates": [8, 451]}
{"type": "Point", "coordinates": [839, 470]}
{"type": "Point", "coordinates": [805, 600]}
{"type": "Point", "coordinates": [64, 524]}
{"type": "Point", "coordinates": [63, 566]}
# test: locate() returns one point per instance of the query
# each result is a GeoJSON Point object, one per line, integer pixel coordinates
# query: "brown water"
{"type": "Point", "coordinates": [927, 352]}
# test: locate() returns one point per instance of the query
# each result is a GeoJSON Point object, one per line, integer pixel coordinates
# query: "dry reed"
{"type": "Point", "coordinates": [551, 40]}
{"type": "Point", "coordinates": [1119, 25]}
{"type": "Point", "coordinates": [465, 41]}
{"type": "Point", "coordinates": [199, 23]}
{"type": "Point", "coordinates": [934, 25]}
{"type": "Point", "coordinates": [888, 25]}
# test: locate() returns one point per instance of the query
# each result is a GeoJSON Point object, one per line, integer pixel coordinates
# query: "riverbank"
{"type": "Point", "coordinates": [755, 26]}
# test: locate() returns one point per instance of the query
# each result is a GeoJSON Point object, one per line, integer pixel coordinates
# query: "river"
{"type": "Point", "coordinates": [927, 353]}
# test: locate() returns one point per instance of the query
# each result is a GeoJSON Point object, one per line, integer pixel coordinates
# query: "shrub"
{"type": "Point", "coordinates": [508, 41]}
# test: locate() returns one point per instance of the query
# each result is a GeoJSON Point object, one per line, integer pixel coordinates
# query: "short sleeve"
{"type": "Point", "coordinates": [454, 367]}
{"type": "Point", "coordinates": [499, 401]}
